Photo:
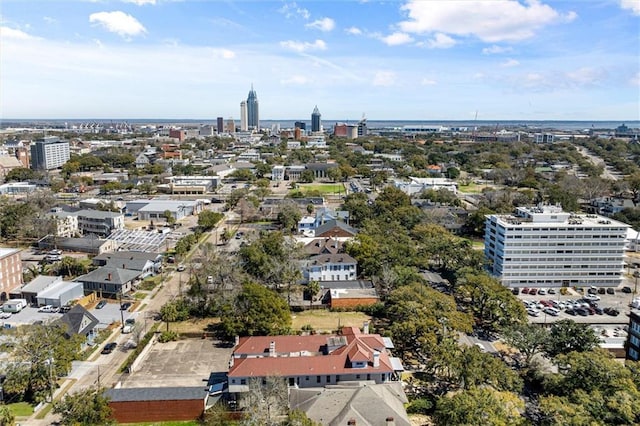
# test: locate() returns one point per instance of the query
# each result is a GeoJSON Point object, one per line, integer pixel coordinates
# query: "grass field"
{"type": "Point", "coordinates": [322, 320]}
{"type": "Point", "coordinates": [323, 188]}
{"type": "Point", "coordinates": [473, 188]}
{"type": "Point", "coordinates": [191, 325]}
{"type": "Point", "coordinates": [21, 409]}
{"type": "Point", "coordinates": [175, 423]}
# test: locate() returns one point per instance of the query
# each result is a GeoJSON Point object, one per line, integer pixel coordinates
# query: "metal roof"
{"type": "Point", "coordinates": [156, 394]}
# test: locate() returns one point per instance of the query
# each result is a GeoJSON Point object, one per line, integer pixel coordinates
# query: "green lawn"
{"type": "Point", "coordinates": [21, 409]}
{"type": "Point", "coordinates": [323, 188]}
{"type": "Point", "coordinates": [473, 188]}
{"type": "Point", "coordinates": [175, 423]}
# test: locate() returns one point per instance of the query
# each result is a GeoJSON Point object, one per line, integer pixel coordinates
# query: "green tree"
{"type": "Point", "coordinates": [168, 216]}
{"type": "Point", "coordinates": [289, 216]}
{"type": "Point", "coordinates": [528, 339]}
{"type": "Point", "coordinates": [21, 174]}
{"type": "Point", "coordinates": [256, 311]}
{"type": "Point", "coordinates": [207, 219]}
{"type": "Point", "coordinates": [88, 407]}
{"type": "Point", "coordinates": [567, 336]}
{"type": "Point", "coordinates": [307, 176]}
{"type": "Point", "coordinates": [6, 416]}
{"type": "Point", "coordinates": [169, 313]}
{"type": "Point", "coordinates": [480, 406]}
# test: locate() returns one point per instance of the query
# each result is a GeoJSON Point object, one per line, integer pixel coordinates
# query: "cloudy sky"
{"type": "Point", "coordinates": [390, 60]}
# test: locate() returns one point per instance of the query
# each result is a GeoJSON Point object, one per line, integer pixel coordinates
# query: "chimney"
{"type": "Point", "coordinates": [109, 277]}
{"type": "Point", "coordinates": [351, 422]}
{"type": "Point", "coordinates": [390, 421]}
{"type": "Point", "coordinates": [365, 327]}
{"type": "Point", "coordinates": [236, 341]}
{"type": "Point", "coordinates": [272, 349]}
{"type": "Point", "coordinates": [376, 359]}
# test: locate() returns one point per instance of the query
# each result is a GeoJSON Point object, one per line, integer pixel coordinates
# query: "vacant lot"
{"type": "Point", "coordinates": [322, 320]}
{"type": "Point", "coordinates": [326, 188]}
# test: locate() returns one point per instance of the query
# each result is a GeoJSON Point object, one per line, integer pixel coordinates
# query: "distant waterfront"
{"type": "Point", "coordinates": [372, 124]}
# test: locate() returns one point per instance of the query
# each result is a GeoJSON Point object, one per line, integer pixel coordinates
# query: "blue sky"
{"type": "Point", "coordinates": [391, 60]}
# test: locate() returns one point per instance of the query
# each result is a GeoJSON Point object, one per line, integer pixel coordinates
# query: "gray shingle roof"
{"type": "Point", "coordinates": [79, 320]}
{"type": "Point", "coordinates": [109, 275]}
{"type": "Point", "coordinates": [156, 394]}
{"type": "Point", "coordinates": [335, 223]}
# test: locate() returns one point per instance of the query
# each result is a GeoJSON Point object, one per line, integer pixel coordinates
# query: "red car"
{"type": "Point", "coordinates": [533, 291]}
{"type": "Point", "coordinates": [525, 290]}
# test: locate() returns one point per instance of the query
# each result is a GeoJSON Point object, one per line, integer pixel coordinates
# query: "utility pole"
{"type": "Point", "coordinates": [121, 310]}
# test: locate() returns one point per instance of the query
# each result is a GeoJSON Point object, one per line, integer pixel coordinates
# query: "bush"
{"type": "Point", "coordinates": [420, 406]}
{"type": "Point", "coordinates": [167, 336]}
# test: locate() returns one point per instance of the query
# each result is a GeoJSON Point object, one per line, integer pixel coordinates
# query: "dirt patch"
{"type": "Point", "coordinates": [191, 326]}
{"type": "Point", "coordinates": [327, 321]}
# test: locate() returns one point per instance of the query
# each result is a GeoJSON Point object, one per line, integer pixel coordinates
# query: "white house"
{"type": "Point", "coordinates": [331, 267]}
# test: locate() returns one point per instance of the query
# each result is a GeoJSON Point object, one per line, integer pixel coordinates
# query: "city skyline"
{"type": "Point", "coordinates": [404, 60]}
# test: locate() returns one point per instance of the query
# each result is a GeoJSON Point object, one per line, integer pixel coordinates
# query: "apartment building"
{"type": "Point", "coordinates": [544, 246]}
{"type": "Point", "coordinates": [49, 153]}
{"type": "Point", "coordinates": [10, 271]}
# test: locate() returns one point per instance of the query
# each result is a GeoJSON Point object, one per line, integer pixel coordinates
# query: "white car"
{"type": "Point", "coordinates": [46, 308]}
{"type": "Point", "coordinates": [5, 315]}
{"type": "Point", "coordinates": [533, 312]}
{"type": "Point", "coordinates": [542, 291]}
{"type": "Point", "coordinates": [592, 297]}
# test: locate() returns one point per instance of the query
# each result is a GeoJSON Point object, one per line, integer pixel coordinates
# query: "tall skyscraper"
{"type": "Point", "coordinates": [315, 120]}
{"type": "Point", "coordinates": [253, 118]}
{"type": "Point", "coordinates": [49, 153]}
{"type": "Point", "coordinates": [244, 124]}
{"type": "Point", "coordinates": [220, 125]}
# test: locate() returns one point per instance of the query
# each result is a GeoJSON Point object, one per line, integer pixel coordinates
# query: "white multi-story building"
{"type": "Point", "coordinates": [546, 247]}
{"type": "Point", "coordinates": [49, 153]}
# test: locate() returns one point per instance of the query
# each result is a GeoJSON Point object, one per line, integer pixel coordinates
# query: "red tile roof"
{"type": "Point", "coordinates": [359, 348]}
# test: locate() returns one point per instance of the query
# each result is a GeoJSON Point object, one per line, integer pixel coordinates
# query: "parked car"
{"type": "Point", "coordinates": [551, 291]}
{"type": "Point", "coordinates": [46, 308]}
{"type": "Point", "coordinates": [570, 311]}
{"type": "Point", "coordinates": [610, 290]}
{"type": "Point", "coordinates": [515, 290]}
{"type": "Point", "coordinates": [533, 312]}
{"type": "Point", "coordinates": [180, 268]}
{"type": "Point", "coordinates": [5, 315]}
{"type": "Point", "coordinates": [542, 291]}
{"type": "Point", "coordinates": [611, 311]}
{"type": "Point", "coordinates": [582, 312]}
{"type": "Point", "coordinates": [533, 291]}
{"type": "Point", "coordinates": [128, 328]}
{"type": "Point", "coordinates": [125, 306]}
{"type": "Point", "coordinates": [551, 311]}
{"type": "Point", "coordinates": [602, 290]}
{"type": "Point", "coordinates": [108, 348]}
{"type": "Point", "coordinates": [592, 297]}
{"type": "Point", "coordinates": [101, 304]}
{"type": "Point", "coordinates": [598, 311]}
{"type": "Point", "coordinates": [626, 289]}
{"type": "Point", "coordinates": [525, 290]}
{"type": "Point", "coordinates": [592, 290]}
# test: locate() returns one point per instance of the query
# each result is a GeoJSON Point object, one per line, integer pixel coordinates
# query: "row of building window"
{"type": "Point", "coordinates": [573, 244]}
{"type": "Point", "coordinates": [618, 252]}
{"type": "Point", "coordinates": [560, 237]}
{"type": "Point", "coordinates": [599, 229]}
{"type": "Point", "coordinates": [555, 260]}
{"type": "Point", "coordinates": [558, 273]}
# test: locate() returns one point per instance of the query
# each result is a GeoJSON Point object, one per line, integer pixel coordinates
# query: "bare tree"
{"type": "Point", "coordinates": [267, 401]}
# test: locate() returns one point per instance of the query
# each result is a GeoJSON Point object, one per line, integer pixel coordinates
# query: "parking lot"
{"type": "Point", "coordinates": [187, 362]}
{"type": "Point", "coordinates": [619, 301]}
{"type": "Point", "coordinates": [29, 315]}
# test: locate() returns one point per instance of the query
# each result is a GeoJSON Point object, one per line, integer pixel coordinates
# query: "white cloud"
{"type": "Point", "coordinates": [397, 38]}
{"type": "Point", "coordinates": [353, 31]}
{"type": "Point", "coordinates": [428, 82]}
{"type": "Point", "coordinates": [495, 49]}
{"type": "Point", "coordinates": [586, 76]}
{"type": "Point", "coordinates": [49, 20]}
{"type": "Point", "coordinates": [118, 22]}
{"type": "Point", "coordinates": [303, 46]}
{"type": "Point", "coordinates": [510, 63]}
{"type": "Point", "coordinates": [635, 80]}
{"type": "Point", "coordinates": [225, 53]}
{"type": "Point", "coordinates": [632, 5]}
{"type": "Point", "coordinates": [297, 80]}
{"type": "Point", "coordinates": [489, 20]}
{"type": "Point", "coordinates": [11, 33]}
{"type": "Point", "coordinates": [441, 41]}
{"type": "Point", "coordinates": [140, 2]}
{"type": "Point", "coordinates": [292, 10]}
{"type": "Point", "coordinates": [324, 24]}
{"type": "Point", "coordinates": [384, 78]}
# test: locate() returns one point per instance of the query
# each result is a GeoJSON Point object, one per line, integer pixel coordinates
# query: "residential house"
{"type": "Point", "coordinates": [306, 224]}
{"type": "Point", "coordinates": [142, 161]}
{"type": "Point", "coordinates": [353, 403]}
{"type": "Point", "coordinates": [8, 163]}
{"type": "Point", "coordinates": [109, 281]}
{"type": "Point", "coordinates": [323, 246]}
{"type": "Point", "coordinates": [144, 262]}
{"type": "Point", "coordinates": [81, 322]}
{"type": "Point", "coordinates": [312, 361]}
{"type": "Point", "coordinates": [335, 228]}
{"type": "Point", "coordinates": [331, 267]}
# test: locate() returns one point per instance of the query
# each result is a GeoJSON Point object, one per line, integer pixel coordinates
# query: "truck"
{"type": "Point", "coordinates": [635, 303]}
{"type": "Point", "coordinates": [14, 305]}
